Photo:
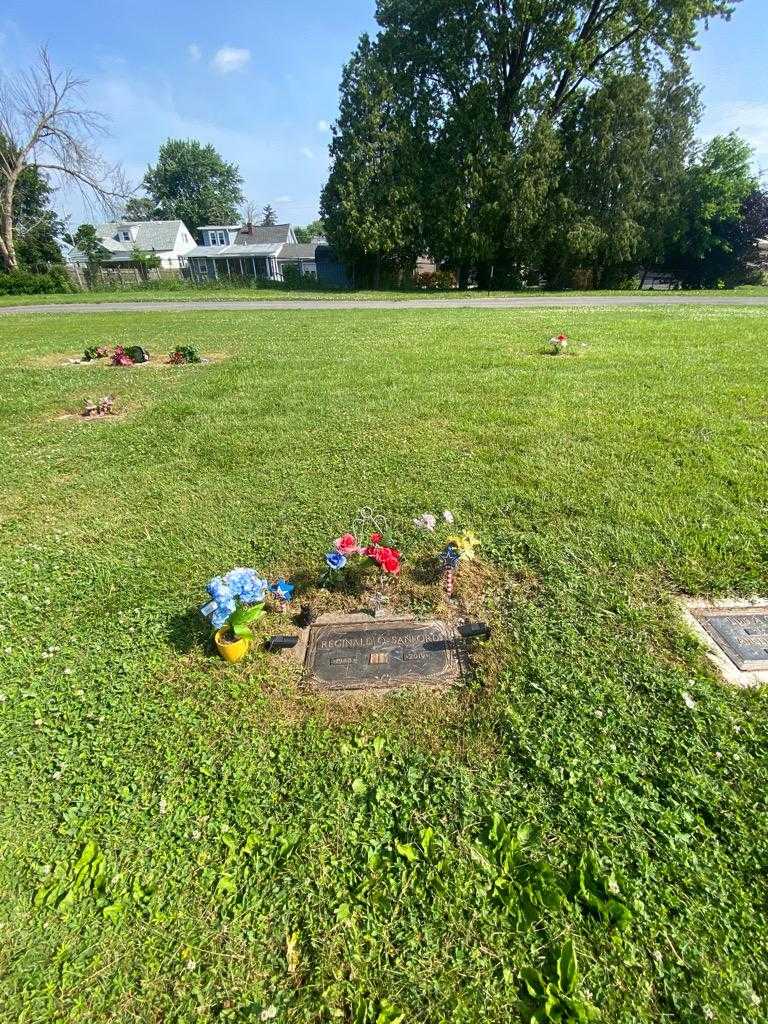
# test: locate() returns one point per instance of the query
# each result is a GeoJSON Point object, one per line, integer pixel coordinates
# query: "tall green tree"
{"type": "Point", "coordinates": [371, 205]}
{"type": "Point", "coordinates": [623, 154]}
{"type": "Point", "coordinates": [140, 208]}
{"type": "Point", "coordinates": [193, 183]}
{"type": "Point", "coordinates": [315, 229]}
{"type": "Point", "coordinates": [36, 226]}
{"type": "Point", "coordinates": [714, 237]}
{"type": "Point", "coordinates": [468, 98]}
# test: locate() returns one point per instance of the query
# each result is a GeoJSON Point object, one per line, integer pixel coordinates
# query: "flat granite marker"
{"type": "Point", "coordinates": [741, 633]}
{"type": "Point", "coordinates": [381, 655]}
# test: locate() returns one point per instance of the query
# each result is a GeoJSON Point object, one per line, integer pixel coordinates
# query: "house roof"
{"type": "Point", "coordinates": [216, 251]}
{"type": "Point", "coordinates": [297, 252]}
{"type": "Point", "coordinates": [150, 234]}
{"type": "Point", "coordinates": [265, 233]}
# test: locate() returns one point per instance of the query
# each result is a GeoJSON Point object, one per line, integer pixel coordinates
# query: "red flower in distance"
{"type": "Point", "coordinates": [376, 538]}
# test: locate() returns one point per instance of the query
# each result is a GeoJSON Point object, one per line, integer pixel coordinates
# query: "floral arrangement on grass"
{"type": "Point", "coordinates": [558, 344]}
{"type": "Point", "coordinates": [238, 588]}
{"type": "Point", "coordinates": [94, 352]}
{"type": "Point", "coordinates": [375, 552]}
{"type": "Point", "coordinates": [459, 547]}
{"type": "Point", "coordinates": [120, 357]}
{"type": "Point", "coordinates": [237, 603]}
{"type": "Point", "coordinates": [183, 354]}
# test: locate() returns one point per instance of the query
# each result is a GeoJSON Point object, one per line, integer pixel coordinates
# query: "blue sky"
{"type": "Point", "coordinates": [259, 79]}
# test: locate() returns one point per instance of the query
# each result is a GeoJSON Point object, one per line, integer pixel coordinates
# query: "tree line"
{"type": "Point", "coordinates": [527, 141]}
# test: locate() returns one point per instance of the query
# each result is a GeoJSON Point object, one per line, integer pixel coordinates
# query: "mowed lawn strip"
{"type": "Point", "coordinates": [186, 841]}
{"type": "Point", "coordinates": [178, 291]}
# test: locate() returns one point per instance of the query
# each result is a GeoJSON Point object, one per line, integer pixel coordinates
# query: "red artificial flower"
{"type": "Point", "coordinates": [391, 564]}
{"type": "Point", "coordinates": [376, 538]}
{"type": "Point", "coordinates": [562, 337]}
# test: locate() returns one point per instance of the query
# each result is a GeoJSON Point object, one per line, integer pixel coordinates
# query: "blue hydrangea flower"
{"type": "Point", "coordinates": [247, 585]}
{"type": "Point", "coordinates": [283, 589]}
{"type": "Point", "coordinates": [219, 589]}
{"type": "Point", "coordinates": [335, 560]}
{"type": "Point", "coordinates": [222, 613]}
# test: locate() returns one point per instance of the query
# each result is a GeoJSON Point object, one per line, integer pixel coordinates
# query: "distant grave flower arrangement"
{"type": "Point", "coordinates": [237, 603]}
{"type": "Point", "coordinates": [558, 344]}
{"type": "Point", "coordinates": [95, 352]}
{"type": "Point", "coordinates": [120, 357]}
{"type": "Point", "coordinates": [183, 354]}
{"type": "Point", "coordinates": [105, 406]}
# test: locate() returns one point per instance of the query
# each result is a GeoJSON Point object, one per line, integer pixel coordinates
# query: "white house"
{"type": "Point", "coordinates": [169, 240]}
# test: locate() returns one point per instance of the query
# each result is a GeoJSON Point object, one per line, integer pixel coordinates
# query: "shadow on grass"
{"type": "Point", "coordinates": [189, 630]}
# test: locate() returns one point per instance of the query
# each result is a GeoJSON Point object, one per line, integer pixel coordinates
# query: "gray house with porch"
{"type": "Point", "coordinates": [259, 251]}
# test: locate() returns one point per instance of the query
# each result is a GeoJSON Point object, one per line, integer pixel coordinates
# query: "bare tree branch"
{"type": "Point", "coordinates": [45, 124]}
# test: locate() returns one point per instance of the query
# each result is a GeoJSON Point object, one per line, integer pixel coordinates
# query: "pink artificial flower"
{"type": "Point", "coordinates": [347, 545]}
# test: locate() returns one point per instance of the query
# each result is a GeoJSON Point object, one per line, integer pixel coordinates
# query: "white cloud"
{"type": "Point", "coordinates": [750, 120]}
{"type": "Point", "coordinates": [230, 58]}
{"type": "Point", "coordinates": [194, 52]}
{"type": "Point", "coordinates": [323, 126]}
{"type": "Point", "coordinates": [307, 153]}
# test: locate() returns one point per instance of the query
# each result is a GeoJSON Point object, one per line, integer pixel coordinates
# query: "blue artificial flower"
{"type": "Point", "coordinates": [222, 614]}
{"type": "Point", "coordinates": [283, 589]}
{"type": "Point", "coordinates": [247, 585]}
{"type": "Point", "coordinates": [335, 560]}
{"type": "Point", "coordinates": [219, 589]}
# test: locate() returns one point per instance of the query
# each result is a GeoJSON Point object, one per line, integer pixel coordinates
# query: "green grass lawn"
{"type": "Point", "coordinates": [231, 850]}
{"type": "Point", "coordinates": [223, 293]}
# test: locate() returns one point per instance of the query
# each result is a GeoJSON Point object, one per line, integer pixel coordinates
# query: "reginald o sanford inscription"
{"type": "Point", "coordinates": [381, 655]}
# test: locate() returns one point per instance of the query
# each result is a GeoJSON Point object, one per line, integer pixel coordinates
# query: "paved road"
{"type": "Point", "coordinates": [522, 302]}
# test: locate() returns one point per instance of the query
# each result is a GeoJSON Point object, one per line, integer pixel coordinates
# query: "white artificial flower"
{"type": "Point", "coordinates": [689, 701]}
{"type": "Point", "coordinates": [426, 521]}
{"type": "Point", "coordinates": [448, 517]}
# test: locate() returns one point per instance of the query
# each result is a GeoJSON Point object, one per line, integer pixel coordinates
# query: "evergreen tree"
{"type": "Point", "coordinates": [268, 217]}
{"type": "Point", "coordinates": [453, 122]}
{"type": "Point", "coordinates": [371, 204]}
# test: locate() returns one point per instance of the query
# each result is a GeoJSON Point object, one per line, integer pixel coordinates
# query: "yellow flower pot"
{"type": "Point", "coordinates": [231, 650]}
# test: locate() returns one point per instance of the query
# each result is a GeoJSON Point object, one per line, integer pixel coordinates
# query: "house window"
{"type": "Point", "coordinates": [222, 238]}
{"type": "Point", "coordinates": [126, 236]}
